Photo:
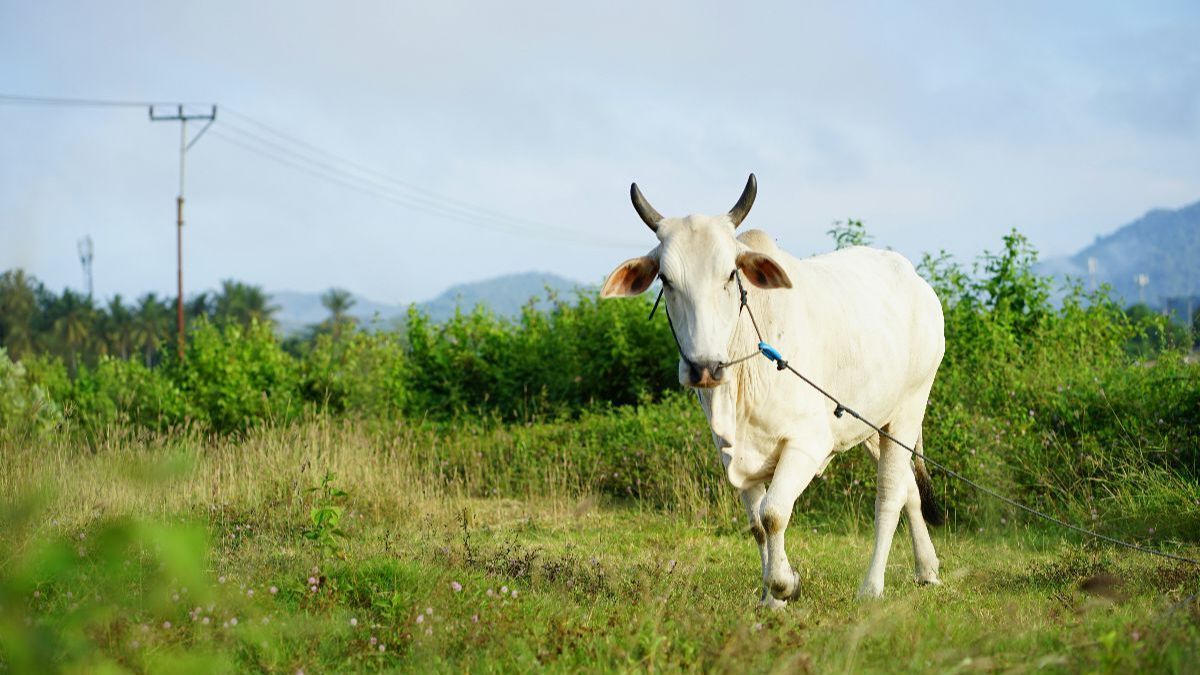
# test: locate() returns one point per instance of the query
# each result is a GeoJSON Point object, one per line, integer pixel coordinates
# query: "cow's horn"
{"type": "Point", "coordinates": [647, 212]}
{"type": "Point", "coordinates": [738, 213]}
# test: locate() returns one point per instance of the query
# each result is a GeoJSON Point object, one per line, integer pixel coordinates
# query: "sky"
{"type": "Point", "coordinates": [396, 148]}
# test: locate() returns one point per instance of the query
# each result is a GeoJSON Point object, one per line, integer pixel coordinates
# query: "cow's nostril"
{"type": "Point", "coordinates": [694, 372]}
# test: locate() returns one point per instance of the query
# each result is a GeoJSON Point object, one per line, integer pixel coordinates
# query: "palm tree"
{"type": "Point", "coordinates": [18, 308]}
{"type": "Point", "coordinates": [239, 303]}
{"type": "Point", "coordinates": [200, 305]}
{"type": "Point", "coordinates": [338, 301]}
{"type": "Point", "coordinates": [118, 327]}
{"type": "Point", "coordinates": [73, 325]}
{"type": "Point", "coordinates": [151, 325]}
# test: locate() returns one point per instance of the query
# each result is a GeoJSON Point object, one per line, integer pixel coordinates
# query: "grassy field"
{"type": "Point", "coordinates": [180, 553]}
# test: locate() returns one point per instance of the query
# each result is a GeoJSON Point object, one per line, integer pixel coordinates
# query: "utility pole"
{"type": "Point", "coordinates": [184, 145]}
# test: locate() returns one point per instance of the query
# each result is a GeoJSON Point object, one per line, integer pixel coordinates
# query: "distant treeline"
{"type": "Point", "coordinates": [80, 331]}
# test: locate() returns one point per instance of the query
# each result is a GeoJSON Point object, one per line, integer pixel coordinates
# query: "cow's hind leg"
{"type": "Point", "coordinates": [793, 473]}
{"type": "Point", "coordinates": [918, 512]}
{"type": "Point", "coordinates": [896, 490]}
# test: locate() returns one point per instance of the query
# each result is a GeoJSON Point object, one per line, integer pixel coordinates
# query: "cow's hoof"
{"type": "Point", "coordinates": [928, 580]}
{"type": "Point", "coordinates": [870, 591]}
{"type": "Point", "coordinates": [770, 602]}
{"type": "Point", "coordinates": [783, 590]}
{"type": "Point", "coordinates": [795, 594]}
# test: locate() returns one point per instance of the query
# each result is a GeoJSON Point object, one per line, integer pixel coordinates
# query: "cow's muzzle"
{"type": "Point", "coordinates": [705, 375]}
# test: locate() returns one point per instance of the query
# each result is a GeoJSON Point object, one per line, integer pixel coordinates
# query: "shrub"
{"type": "Point", "coordinates": [235, 378]}
{"type": "Point", "coordinates": [360, 373]}
{"type": "Point", "coordinates": [25, 407]}
{"type": "Point", "coordinates": [544, 364]}
{"type": "Point", "coordinates": [121, 393]}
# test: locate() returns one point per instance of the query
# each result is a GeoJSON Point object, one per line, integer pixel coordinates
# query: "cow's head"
{"type": "Point", "coordinates": [696, 258]}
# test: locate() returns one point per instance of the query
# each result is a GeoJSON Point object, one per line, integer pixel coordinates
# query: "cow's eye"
{"type": "Point", "coordinates": [665, 282]}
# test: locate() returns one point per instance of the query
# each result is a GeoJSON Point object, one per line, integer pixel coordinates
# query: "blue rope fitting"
{"type": "Point", "coordinates": [770, 352]}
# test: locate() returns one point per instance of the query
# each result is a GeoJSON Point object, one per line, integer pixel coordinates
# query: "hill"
{"type": "Point", "coordinates": [505, 295]}
{"type": "Point", "coordinates": [1164, 245]}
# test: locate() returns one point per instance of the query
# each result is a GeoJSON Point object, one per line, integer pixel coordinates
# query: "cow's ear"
{"type": "Point", "coordinates": [630, 278]}
{"type": "Point", "coordinates": [762, 271]}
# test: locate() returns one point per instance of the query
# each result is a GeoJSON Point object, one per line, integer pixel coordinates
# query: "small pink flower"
{"type": "Point", "coordinates": [514, 592]}
{"type": "Point", "coordinates": [312, 580]}
{"type": "Point", "coordinates": [221, 579]}
{"type": "Point", "coordinates": [233, 621]}
{"type": "Point", "coordinates": [474, 618]}
{"type": "Point", "coordinates": [313, 589]}
{"type": "Point", "coordinates": [374, 639]}
{"type": "Point", "coordinates": [456, 587]}
{"type": "Point", "coordinates": [383, 648]}
{"type": "Point", "coordinates": [420, 618]}
{"type": "Point", "coordinates": [504, 590]}
{"type": "Point", "coordinates": [353, 621]}
{"type": "Point", "coordinates": [274, 590]}
{"type": "Point", "coordinates": [166, 625]}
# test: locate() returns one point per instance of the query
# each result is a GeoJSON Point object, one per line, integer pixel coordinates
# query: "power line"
{"type": "Point", "coordinates": [297, 153]}
{"type": "Point", "coordinates": [17, 99]}
{"type": "Point", "coordinates": [405, 185]}
{"type": "Point", "coordinates": [324, 171]}
{"type": "Point", "coordinates": [394, 190]}
{"type": "Point", "coordinates": [317, 171]}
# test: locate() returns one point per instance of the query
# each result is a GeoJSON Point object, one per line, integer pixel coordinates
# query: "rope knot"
{"type": "Point", "coordinates": [839, 410]}
{"type": "Point", "coordinates": [781, 365]}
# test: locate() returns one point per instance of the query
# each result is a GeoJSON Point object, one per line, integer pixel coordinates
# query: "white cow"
{"type": "Point", "coordinates": [859, 322]}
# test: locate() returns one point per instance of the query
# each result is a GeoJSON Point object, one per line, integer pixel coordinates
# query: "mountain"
{"type": "Point", "coordinates": [298, 310]}
{"type": "Point", "coordinates": [505, 295]}
{"type": "Point", "coordinates": [1163, 245]}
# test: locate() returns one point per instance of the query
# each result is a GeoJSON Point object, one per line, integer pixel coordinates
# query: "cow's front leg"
{"type": "Point", "coordinates": [752, 498]}
{"type": "Point", "coordinates": [793, 472]}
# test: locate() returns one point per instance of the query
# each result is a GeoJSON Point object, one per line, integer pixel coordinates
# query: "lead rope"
{"type": "Point", "coordinates": [839, 409]}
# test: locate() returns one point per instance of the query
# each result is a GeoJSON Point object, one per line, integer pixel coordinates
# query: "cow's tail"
{"type": "Point", "coordinates": [930, 508]}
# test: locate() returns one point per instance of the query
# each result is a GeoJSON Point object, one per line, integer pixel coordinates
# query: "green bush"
{"type": "Point", "coordinates": [544, 364]}
{"type": "Point", "coordinates": [235, 378]}
{"type": "Point", "coordinates": [26, 409]}
{"type": "Point", "coordinates": [118, 393]}
{"type": "Point", "coordinates": [359, 373]}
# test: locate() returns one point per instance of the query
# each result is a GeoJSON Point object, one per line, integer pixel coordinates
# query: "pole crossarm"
{"type": "Point", "coordinates": [179, 114]}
